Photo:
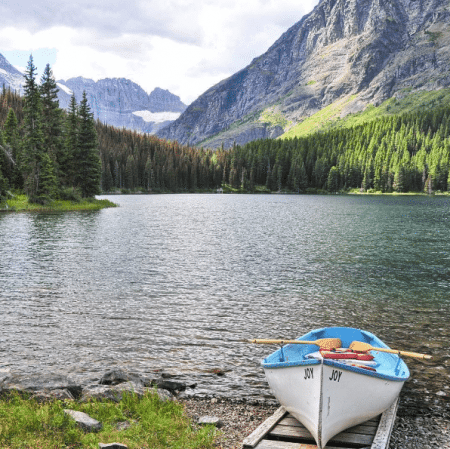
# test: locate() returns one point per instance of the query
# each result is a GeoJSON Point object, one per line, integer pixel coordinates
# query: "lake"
{"type": "Point", "coordinates": [179, 282]}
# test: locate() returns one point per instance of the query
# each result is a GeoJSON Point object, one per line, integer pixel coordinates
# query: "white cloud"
{"type": "Point", "coordinates": [185, 46]}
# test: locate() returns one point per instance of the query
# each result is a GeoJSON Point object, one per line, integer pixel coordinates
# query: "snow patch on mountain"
{"type": "Point", "coordinates": [157, 117]}
{"type": "Point", "coordinates": [64, 88]}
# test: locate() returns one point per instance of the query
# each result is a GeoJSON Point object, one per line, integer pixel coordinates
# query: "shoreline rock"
{"type": "Point", "coordinates": [419, 423]}
{"type": "Point", "coordinates": [111, 386]}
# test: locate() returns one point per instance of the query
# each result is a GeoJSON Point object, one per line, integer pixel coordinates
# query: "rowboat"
{"type": "Point", "coordinates": [329, 391]}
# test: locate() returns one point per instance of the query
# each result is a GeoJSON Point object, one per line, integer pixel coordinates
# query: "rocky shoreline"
{"type": "Point", "coordinates": [419, 424]}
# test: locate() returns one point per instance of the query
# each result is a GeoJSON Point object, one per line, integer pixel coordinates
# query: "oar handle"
{"type": "Point", "coordinates": [404, 353]}
{"type": "Point", "coordinates": [281, 342]}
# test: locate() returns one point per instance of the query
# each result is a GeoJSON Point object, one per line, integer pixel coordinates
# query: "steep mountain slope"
{"type": "Point", "coordinates": [120, 102]}
{"type": "Point", "coordinates": [10, 76]}
{"type": "Point", "coordinates": [349, 52]}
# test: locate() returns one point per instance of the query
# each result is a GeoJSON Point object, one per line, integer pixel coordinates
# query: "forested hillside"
{"type": "Point", "coordinates": [409, 152]}
{"type": "Point", "coordinates": [402, 153]}
{"type": "Point", "coordinates": [133, 161]}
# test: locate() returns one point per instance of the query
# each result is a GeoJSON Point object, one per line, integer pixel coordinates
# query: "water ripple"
{"type": "Point", "coordinates": [179, 282]}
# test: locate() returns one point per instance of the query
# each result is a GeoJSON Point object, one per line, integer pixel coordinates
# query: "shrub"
{"type": "Point", "coordinates": [69, 194]}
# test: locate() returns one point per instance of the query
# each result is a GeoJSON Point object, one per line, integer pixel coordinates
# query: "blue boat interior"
{"type": "Point", "coordinates": [388, 366]}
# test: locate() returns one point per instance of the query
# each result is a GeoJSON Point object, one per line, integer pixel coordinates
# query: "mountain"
{"type": "Point", "coordinates": [118, 102]}
{"type": "Point", "coordinates": [344, 55]}
{"type": "Point", "coordinates": [9, 75]}
{"type": "Point", "coordinates": [121, 103]}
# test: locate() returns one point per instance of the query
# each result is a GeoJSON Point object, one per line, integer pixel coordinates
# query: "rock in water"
{"type": "Point", "coordinates": [115, 377]}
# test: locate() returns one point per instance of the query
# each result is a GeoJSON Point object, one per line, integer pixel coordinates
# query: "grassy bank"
{"type": "Point", "coordinates": [26, 424]}
{"type": "Point", "coordinates": [21, 203]}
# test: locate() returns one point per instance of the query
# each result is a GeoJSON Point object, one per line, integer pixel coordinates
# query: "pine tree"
{"type": "Point", "coordinates": [10, 129]}
{"type": "Point", "coordinates": [88, 176]}
{"type": "Point", "coordinates": [49, 182]}
{"type": "Point", "coordinates": [32, 151]}
{"type": "Point", "coordinates": [333, 179]}
{"type": "Point", "coordinates": [11, 149]}
{"type": "Point", "coordinates": [3, 180]}
{"type": "Point", "coordinates": [69, 163]}
{"type": "Point", "coordinates": [302, 178]}
{"type": "Point", "coordinates": [107, 179]}
{"type": "Point", "coordinates": [52, 118]}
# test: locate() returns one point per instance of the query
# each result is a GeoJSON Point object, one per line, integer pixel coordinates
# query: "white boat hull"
{"type": "Point", "coordinates": [327, 399]}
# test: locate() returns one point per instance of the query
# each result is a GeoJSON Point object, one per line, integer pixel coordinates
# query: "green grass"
{"type": "Point", "coordinates": [328, 118]}
{"type": "Point", "coordinates": [274, 117]}
{"type": "Point", "coordinates": [20, 203]}
{"type": "Point", "coordinates": [318, 120]}
{"type": "Point", "coordinates": [411, 102]}
{"type": "Point", "coordinates": [27, 424]}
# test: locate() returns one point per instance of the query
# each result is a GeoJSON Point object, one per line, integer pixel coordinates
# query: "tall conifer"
{"type": "Point", "coordinates": [89, 171]}
{"type": "Point", "coordinates": [52, 118]}
{"type": "Point", "coordinates": [68, 163]}
{"type": "Point", "coordinates": [32, 151]}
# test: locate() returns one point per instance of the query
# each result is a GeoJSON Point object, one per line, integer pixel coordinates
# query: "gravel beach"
{"type": "Point", "coordinates": [413, 429]}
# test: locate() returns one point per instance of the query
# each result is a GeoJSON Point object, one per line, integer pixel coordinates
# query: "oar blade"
{"type": "Point", "coordinates": [329, 343]}
{"type": "Point", "coordinates": [360, 346]}
{"type": "Point", "coordinates": [323, 343]}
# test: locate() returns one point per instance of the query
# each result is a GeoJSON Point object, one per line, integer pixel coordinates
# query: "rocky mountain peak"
{"type": "Point", "coordinates": [363, 50]}
{"type": "Point", "coordinates": [161, 100]}
{"type": "Point", "coordinates": [122, 103]}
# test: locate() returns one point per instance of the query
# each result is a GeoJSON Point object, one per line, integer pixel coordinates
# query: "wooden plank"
{"type": "Point", "coordinates": [273, 444]}
{"type": "Point", "coordinates": [290, 432]}
{"type": "Point", "coordinates": [383, 435]}
{"type": "Point", "coordinates": [370, 422]}
{"type": "Point", "coordinates": [297, 432]}
{"type": "Point", "coordinates": [365, 428]}
{"type": "Point", "coordinates": [260, 432]}
{"type": "Point", "coordinates": [372, 434]}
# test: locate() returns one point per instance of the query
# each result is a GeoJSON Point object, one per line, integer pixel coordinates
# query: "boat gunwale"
{"type": "Point", "coordinates": [309, 362]}
{"type": "Point", "coordinates": [337, 365]}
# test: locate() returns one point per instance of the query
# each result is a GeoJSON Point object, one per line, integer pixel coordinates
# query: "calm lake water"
{"type": "Point", "coordinates": [178, 282]}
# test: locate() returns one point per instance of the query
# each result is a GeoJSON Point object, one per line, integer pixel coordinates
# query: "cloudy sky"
{"type": "Point", "coordinates": [185, 46]}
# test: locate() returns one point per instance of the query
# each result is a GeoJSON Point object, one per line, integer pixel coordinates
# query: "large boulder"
{"type": "Point", "coordinates": [117, 376]}
{"type": "Point", "coordinates": [52, 395]}
{"type": "Point", "coordinates": [32, 383]}
{"type": "Point", "coordinates": [99, 392]}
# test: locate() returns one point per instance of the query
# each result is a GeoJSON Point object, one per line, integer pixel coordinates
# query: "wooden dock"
{"type": "Point", "coordinates": [283, 431]}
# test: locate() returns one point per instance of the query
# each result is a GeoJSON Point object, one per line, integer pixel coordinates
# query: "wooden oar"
{"type": "Point", "coordinates": [323, 343]}
{"type": "Point", "coordinates": [360, 346]}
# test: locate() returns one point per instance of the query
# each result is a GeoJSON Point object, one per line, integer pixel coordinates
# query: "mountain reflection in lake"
{"type": "Point", "coordinates": [178, 282]}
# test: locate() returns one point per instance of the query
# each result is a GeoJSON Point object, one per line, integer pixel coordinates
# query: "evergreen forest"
{"type": "Point", "coordinates": [45, 152]}
{"type": "Point", "coordinates": [401, 153]}
{"type": "Point", "coordinates": [50, 153]}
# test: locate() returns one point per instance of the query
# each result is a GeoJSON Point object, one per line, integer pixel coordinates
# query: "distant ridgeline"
{"type": "Point", "coordinates": [407, 152]}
